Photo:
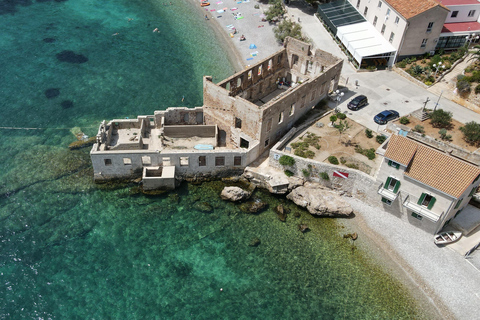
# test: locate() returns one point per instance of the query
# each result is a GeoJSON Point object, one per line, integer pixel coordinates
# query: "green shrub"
{"type": "Point", "coordinates": [370, 153]}
{"type": "Point", "coordinates": [288, 173]}
{"type": "Point", "coordinates": [418, 128]}
{"type": "Point", "coordinates": [444, 135]}
{"type": "Point", "coordinates": [369, 133]}
{"type": "Point", "coordinates": [471, 132]}
{"type": "Point", "coordinates": [324, 176]}
{"type": "Point", "coordinates": [341, 116]}
{"type": "Point", "coordinates": [463, 87]}
{"type": "Point", "coordinates": [343, 160]}
{"type": "Point", "coordinates": [352, 166]}
{"type": "Point", "coordinates": [286, 161]}
{"type": "Point", "coordinates": [441, 119]}
{"type": "Point", "coordinates": [381, 139]}
{"type": "Point", "coordinates": [402, 64]}
{"type": "Point", "coordinates": [333, 160]}
{"type": "Point", "coordinates": [404, 120]}
{"type": "Point", "coordinates": [306, 173]}
{"type": "Point", "coordinates": [333, 118]}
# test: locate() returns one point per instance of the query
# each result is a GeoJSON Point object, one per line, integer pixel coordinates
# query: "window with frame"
{"type": "Point", "coordinates": [474, 190]}
{"type": "Point", "coordinates": [471, 13]}
{"type": "Point", "coordinates": [458, 203]}
{"type": "Point", "coordinates": [365, 11]}
{"type": "Point", "coordinates": [424, 43]}
{"type": "Point", "coordinates": [292, 109]}
{"type": "Point", "coordinates": [397, 19]}
{"type": "Point", "coordinates": [358, 4]}
{"type": "Point", "coordinates": [237, 161]}
{"type": "Point", "coordinates": [267, 142]}
{"type": "Point", "coordinates": [108, 162]}
{"type": "Point", "coordinates": [429, 27]}
{"type": "Point", "coordinates": [454, 14]}
{"type": "Point", "coordinates": [238, 123]}
{"type": "Point", "coordinates": [387, 201]}
{"type": "Point", "coordinates": [127, 161]}
{"type": "Point", "coordinates": [375, 21]}
{"type": "Point", "coordinates": [476, 179]}
{"type": "Point", "coordinates": [379, 4]}
{"type": "Point", "coordinates": [393, 164]}
{"type": "Point", "coordinates": [417, 216]}
{"type": "Point", "coordinates": [383, 29]}
{"type": "Point", "coordinates": [426, 200]}
{"type": "Point", "coordinates": [219, 161]}
{"type": "Point", "coordinates": [184, 161]}
{"type": "Point", "coordinates": [392, 35]}
{"type": "Point", "coordinates": [202, 161]}
{"type": "Point", "coordinates": [392, 184]}
{"type": "Point", "coordinates": [388, 12]}
{"type": "Point", "coordinates": [280, 117]}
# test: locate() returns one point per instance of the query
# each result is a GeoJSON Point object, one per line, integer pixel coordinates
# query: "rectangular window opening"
{"type": "Point", "coordinates": [454, 14]}
{"type": "Point", "coordinates": [417, 216]}
{"type": "Point", "coordinates": [165, 162]}
{"type": "Point", "coordinates": [429, 27]}
{"type": "Point", "coordinates": [397, 19]}
{"type": "Point", "coordinates": [365, 11]}
{"type": "Point", "coordinates": [358, 4]}
{"type": "Point", "coordinates": [267, 142]}
{"type": "Point", "coordinates": [108, 162]}
{"type": "Point", "coordinates": [386, 201]}
{"type": "Point", "coordinates": [471, 13]}
{"type": "Point", "coordinates": [202, 161]}
{"type": "Point", "coordinates": [280, 117]}
{"type": "Point", "coordinates": [244, 143]}
{"type": "Point", "coordinates": [424, 43]}
{"type": "Point", "coordinates": [375, 21]}
{"type": "Point", "coordinates": [219, 161]}
{"type": "Point", "coordinates": [237, 161]}
{"type": "Point", "coordinates": [379, 4]}
{"type": "Point", "coordinates": [392, 35]}
{"type": "Point", "coordinates": [383, 29]}
{"type": "Point", "coordinates": [238, 123]}
{"type": "Point", "coordinates": [292, 110]}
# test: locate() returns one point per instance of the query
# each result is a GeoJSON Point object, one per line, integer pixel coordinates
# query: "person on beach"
{"type": "Point", "coordinates": [206, 17]}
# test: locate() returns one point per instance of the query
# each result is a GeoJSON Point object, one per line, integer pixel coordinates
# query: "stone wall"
{"type": "Point", "coordinates": [179, 116]}
{"type": "Point", "coordinates": [187, 131]}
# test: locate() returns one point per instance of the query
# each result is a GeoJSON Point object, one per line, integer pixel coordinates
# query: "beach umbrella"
{"type": "Point", "coordinates": [252, 46]}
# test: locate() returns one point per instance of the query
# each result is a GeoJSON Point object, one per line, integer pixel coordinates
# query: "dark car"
{"type": "Point", "coordinates": [357, 102]}
{"type": "Point", "coordinates": [385, 116]}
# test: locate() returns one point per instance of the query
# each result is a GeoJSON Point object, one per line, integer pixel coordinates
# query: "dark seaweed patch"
{"type": "Point", "coordinates": [67, 104]}
{"type": "Point", "coordinates": [52, 93]}
{"type": "Point", "coordinates": [71, 57]}
{"type": "Point", "coordinates": [49, 40]}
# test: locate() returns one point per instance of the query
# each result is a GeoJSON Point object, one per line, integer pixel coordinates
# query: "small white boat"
{"type": "Point", "coordinates": [447, 237]}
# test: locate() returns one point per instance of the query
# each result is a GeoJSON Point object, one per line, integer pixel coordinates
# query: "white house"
{"type": "Point", "coordinates": [423, 185]}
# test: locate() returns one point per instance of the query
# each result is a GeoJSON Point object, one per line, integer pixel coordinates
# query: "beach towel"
{"type": "Point", "coordinates": [249, 58]}
{"type": "Point", "coordinates": [239, 2]}
{"type": "Point", "coordinates": [233, 9]}
{"type": "Point", "coordinates": [219, 2]}
{"type": "Point", "coordinates": [211, 10]}
{"type": "Point", "coordinates": [230, 26]}
{"type": "Point", "coordinates": [220, 11]}
{"type": "Point", "coordinates": [238, 18]}
{"type": "Point", "coordinates": [252, 46]}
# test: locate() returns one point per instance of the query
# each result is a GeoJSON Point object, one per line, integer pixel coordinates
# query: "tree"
{"type": "Point", "coordinates": [333, 118]}
{"type": "Point", "coordinates": [275, 11]}
{"type": "Point", "coordinates": [471, 132]}
{"type": "Point", "coordinates": [441, 118]}
{"type": "Point", "coordinates": [287, 28]}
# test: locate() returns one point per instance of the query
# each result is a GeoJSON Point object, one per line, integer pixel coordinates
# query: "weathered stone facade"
{"type": "Point", "coordinates": [241, 117]}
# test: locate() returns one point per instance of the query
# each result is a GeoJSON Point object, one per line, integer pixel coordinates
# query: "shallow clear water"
{"type": "Point", "coordinates": [70, 249]}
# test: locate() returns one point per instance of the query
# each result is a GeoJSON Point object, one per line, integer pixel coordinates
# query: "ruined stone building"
{"type": "Point", "coordinates": [241, 117]}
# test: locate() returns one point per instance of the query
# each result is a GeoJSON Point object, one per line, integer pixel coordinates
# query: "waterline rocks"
{"type": "Point", "coordinates": [319, 201]}
{"type": "Point", "coordinates": [234, 194]}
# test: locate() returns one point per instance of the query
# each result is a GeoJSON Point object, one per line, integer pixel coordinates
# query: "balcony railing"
{"type": "Point", "coordinates": [411, 203]}
{"type": "Point", "coordinates": [387, 194]}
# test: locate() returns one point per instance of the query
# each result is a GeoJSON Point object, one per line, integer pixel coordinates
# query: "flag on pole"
{"type": "Point", "coordinates": [340, 174]}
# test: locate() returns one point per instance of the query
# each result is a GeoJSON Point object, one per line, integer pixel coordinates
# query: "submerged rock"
{"type": "Point", "coordinates": [255, 242]}
{"type": "Point", "coordinates": [71, 57]}
{"type": "Point", "coordinates": [234, 194]}
{"type": "Point", "coordinates": [319, 201]}
{"type": "Point", "coordinates": [353, 236]}
{"type": "Point", "coordinates": [66, 104]}
{"type": "Point", "coordinates": [203, 207]}
{"type": "Point", "coordinates": [253, 206]}
{"type": "Point", "coordinates": [303, 228]}
{"type": "Point", "coordinates": [281, 212]}
{"type": "Point", "coordinates": [49, 40]}
{"type": "Point", "coordinates": [51, 93]}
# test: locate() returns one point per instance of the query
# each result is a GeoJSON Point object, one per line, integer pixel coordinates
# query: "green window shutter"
{"type": "Point", "coordinates": [472, 192]}
{"type": "Point", "coordinates": [458, 203]}
{"type": "Point", "coordinates": [390, 163]}
{"type": "Point", "coordinates": [421, 198]}
{"type": "Point", "coordinates": [387, 183]}
{"type": "Point", "coordinates": [384, 200]}
{"type": "Point", "coordinates": [431, 203]}
{"type": "Point", "coordinates": [397, 186]}
{"type": "Point", "coordinates": [397, 165]}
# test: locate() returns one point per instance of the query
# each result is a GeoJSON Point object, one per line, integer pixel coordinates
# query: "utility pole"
{"type": "Point", "coordinates": [437, 101]}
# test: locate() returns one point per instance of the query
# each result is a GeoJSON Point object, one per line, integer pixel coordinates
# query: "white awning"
{"type": "Point", "coordinates": [362, 40]}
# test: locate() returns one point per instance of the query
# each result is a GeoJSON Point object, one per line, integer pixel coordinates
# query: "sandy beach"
{"type": "Point", "coordinates": [439, 278]}
{"type": "Point", "coordinates": [227, 16]}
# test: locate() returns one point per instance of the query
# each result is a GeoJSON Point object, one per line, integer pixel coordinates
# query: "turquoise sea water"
{"type": "Point", "coordinates": [70, 249]}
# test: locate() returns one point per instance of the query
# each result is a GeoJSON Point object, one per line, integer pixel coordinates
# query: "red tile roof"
{"type": "Point", "coordinates": [457, 2]}
{"type": "Point", "coordinates": [411, 8]}
{"type": "Point", "coordinates": [461, 26]}
{"type": "Point", "coordinates": [434, 168]}
{"type": "Point", "coordinates": [400, 150]}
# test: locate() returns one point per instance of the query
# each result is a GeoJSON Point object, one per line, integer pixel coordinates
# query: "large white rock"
{"type": "Point", "coordinates": [319, 201]}
{"type": "Point", "coordinates": [234, 194]}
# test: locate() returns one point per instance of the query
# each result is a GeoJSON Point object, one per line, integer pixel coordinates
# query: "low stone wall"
{"type": "Point", "coordinates": [358, 184]}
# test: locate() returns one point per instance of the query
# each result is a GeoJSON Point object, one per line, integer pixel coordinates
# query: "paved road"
{"type": "Point", "coordinates": [384, 89]}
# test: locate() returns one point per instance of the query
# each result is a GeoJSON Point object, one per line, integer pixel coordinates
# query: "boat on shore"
{"type": "Point", "coordinates": [447, 237]}
{"type": "Point", "coordinates": [204, 4]}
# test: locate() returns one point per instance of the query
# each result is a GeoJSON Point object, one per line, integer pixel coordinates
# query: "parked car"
{"type": "Point", "coordinates": [385, 116]}
{"type": "Point", "coordinates": [357, 102]}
